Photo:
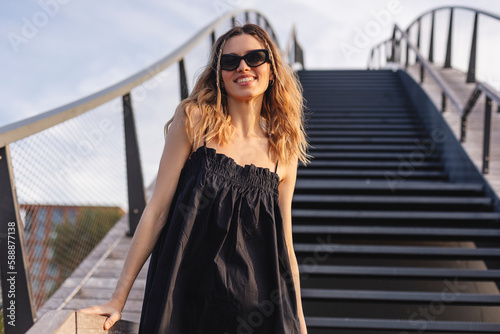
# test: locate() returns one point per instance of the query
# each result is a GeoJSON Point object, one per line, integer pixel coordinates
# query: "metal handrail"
{"type": "Point", "coordinates": [471, 72]}
{"type": "Point", "coordinates": [445, 88]}
{"type": "Point", "coordinates": [479, 11]}
{"type": "Point", "coordinates": [490, 93]}
{"type": "Point", "coordinates": [450, 94]}
{"type": "Point", "coordinates": [29, 126]}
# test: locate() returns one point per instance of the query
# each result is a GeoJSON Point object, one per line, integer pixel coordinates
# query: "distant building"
{"type": "Point", "coordinates": [58, 238]}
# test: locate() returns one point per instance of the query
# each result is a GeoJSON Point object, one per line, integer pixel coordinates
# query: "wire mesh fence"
{"type": "Point", "coordinates": [70, 183]}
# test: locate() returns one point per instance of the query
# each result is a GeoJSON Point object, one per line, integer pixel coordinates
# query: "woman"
{"type": "Point", "coordinates": [218, 224]}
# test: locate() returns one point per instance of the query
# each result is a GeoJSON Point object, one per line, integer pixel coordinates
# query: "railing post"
{"type": "Point", "coordinates": [393, 45]}
{"type": "Point", "coordinates": [18, 309]}
{"type": "Point", "coordinates": [471, 74]}
{"type": "Point", "coordinates": [466, 110]}
{"type": "Point", "coordinates": [212, 35]}
{"type": "Point", "coordinates": [387, 56]}
{"type": "Point", "coordinates": [447, 61]}
{"type": "Point", "coordinates": [183, 80]}
{"type": "Point", "coordinates": [407, 60]}
{"type": "Point", "coordinates": [443, 101]}
{"type": "Point", "coordinates": [421, 73]}
{"type": "Point", "coordinates": [397, 56]}
{"type": "Point", "coordinates": [298, 53]}
{"type": "Point", "coordinates": [418, 33]}
{"type": "Point", "coordinates": [463, 128]}
{"type": "Point", "coordinates": [380, 58]}
{"type": "Point", "coordinates": [487, 135]}
{"type": "Point", "coordinates": [233, 21]}
{"type": "Point", "coordinates": [246, 17]}
{"type": "Point", "coordinates": [431, 46]}
{"type": "Point", "coordinates": [257, 19]}
{"type": "Point", "coordinates": [135, 185]}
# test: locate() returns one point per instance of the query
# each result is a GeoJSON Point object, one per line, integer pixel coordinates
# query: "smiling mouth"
{"type": "Point", "coordinates": [245, 79]}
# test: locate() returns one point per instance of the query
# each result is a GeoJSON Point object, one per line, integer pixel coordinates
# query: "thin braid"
{"type": "Point", "coordinates": [272, 60]}
{"type": "Point", "coordinates": [272, 112]}
{"type": "Point", "coordinates": [220, 108]}
{"type": "Point", "coordinates": [219, 97]}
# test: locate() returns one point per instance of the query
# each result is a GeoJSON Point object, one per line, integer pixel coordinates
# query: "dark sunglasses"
{"type": "Point", "coordinates": [254, 58]}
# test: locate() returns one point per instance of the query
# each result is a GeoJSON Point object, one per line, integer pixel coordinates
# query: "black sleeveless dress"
{"type": "Point", "coordinates": [220, 265]}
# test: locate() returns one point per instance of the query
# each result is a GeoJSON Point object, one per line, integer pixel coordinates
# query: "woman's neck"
{"type": "Point", "coordinates": [245, 117]}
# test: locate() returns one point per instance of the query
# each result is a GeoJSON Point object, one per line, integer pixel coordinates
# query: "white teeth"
{"type": "Point", "coordinates": [245, 79]}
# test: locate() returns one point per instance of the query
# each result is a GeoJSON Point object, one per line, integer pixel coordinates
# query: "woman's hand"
{"type": "Point", "coordinates": [112, 309]}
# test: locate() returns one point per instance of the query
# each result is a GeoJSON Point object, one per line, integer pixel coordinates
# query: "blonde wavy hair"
{"type": "Point", "coordinates": [282, 113]}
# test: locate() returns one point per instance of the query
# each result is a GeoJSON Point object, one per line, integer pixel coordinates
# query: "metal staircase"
{"type": "Point", "coordinates": [386, 238]}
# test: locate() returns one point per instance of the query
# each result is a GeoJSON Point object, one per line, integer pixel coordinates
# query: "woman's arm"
{"type": "Point", "coordinates": [286, 189]}
{"type": "Point", "coordinates": [175, 153]}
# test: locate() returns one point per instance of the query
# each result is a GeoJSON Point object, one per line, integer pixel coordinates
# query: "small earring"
{"type": "Point", "coordinates": [271, 82]}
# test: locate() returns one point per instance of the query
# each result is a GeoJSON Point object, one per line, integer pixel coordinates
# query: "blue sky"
{"type": "Point", "coordinates": [85, 46]}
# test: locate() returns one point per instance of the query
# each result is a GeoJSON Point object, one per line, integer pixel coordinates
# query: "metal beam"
{"type": "Point", "coordinates": [447, 61]}
{"type": "Point", "coordinates": [183, 80]}
{"type": "Point", "coordinates": [18, 308]}
{"type": "Point", "coordinates": [487, 135]}
{"type": "Point", "coordinates": [471, 73]}
{"type": "Point", "coordinates": [431, 46]}
{"type": "Point", "coordinates": [135, 185]}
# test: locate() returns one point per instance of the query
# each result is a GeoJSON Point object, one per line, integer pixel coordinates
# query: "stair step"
{"type": "Point", "coordinates": [399, 200]}
{"type": "Point", "coordinates": [358, 98]}
{"type": "Point", "coordinates": [338, 115]}
{"type": "Point", "coordinates": [401, 272]}
{"type": "Point", "coordinates": [443, 233]}
{"type": "Point", "coordinates": [400, 169]}
{"type": "Point", "coordinates": [337, 86]}
{"type": "Point", "coordinates": [358, 174]}
{"type": "Point", "coordinates": [400, 296]}
{"type": "Point", "coordinates": [412, 156]}
{"type": "Point", "coordinates": [384, 185]}
{"type": "Point", "coordinates": [364, 140]}
{"type": "Point", "coordinates": [356, 81]}
{"type": "Point", "coordinates": [402, 325]}
{"type": "Point", "coordinates": [424, 252]}
{"type": "Point", "coordinates": [300, 214]}
{"type": "Point", "coordinates": [367, 127]}
{"type": "Point", "coordinates": [386, 111]}
{"type": "Point", "coordinates": [367, 86]}
{"type": "Point", "coordinates": [347, 72]}
{"type": "Point", "coordinates": [360, 106]}
{"type": "Point", "coordinates": [424, 146]}
{"type": "Point", "coordinates": [325, 122]}
{"type": "Point", "coordinates": [367, 133]}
